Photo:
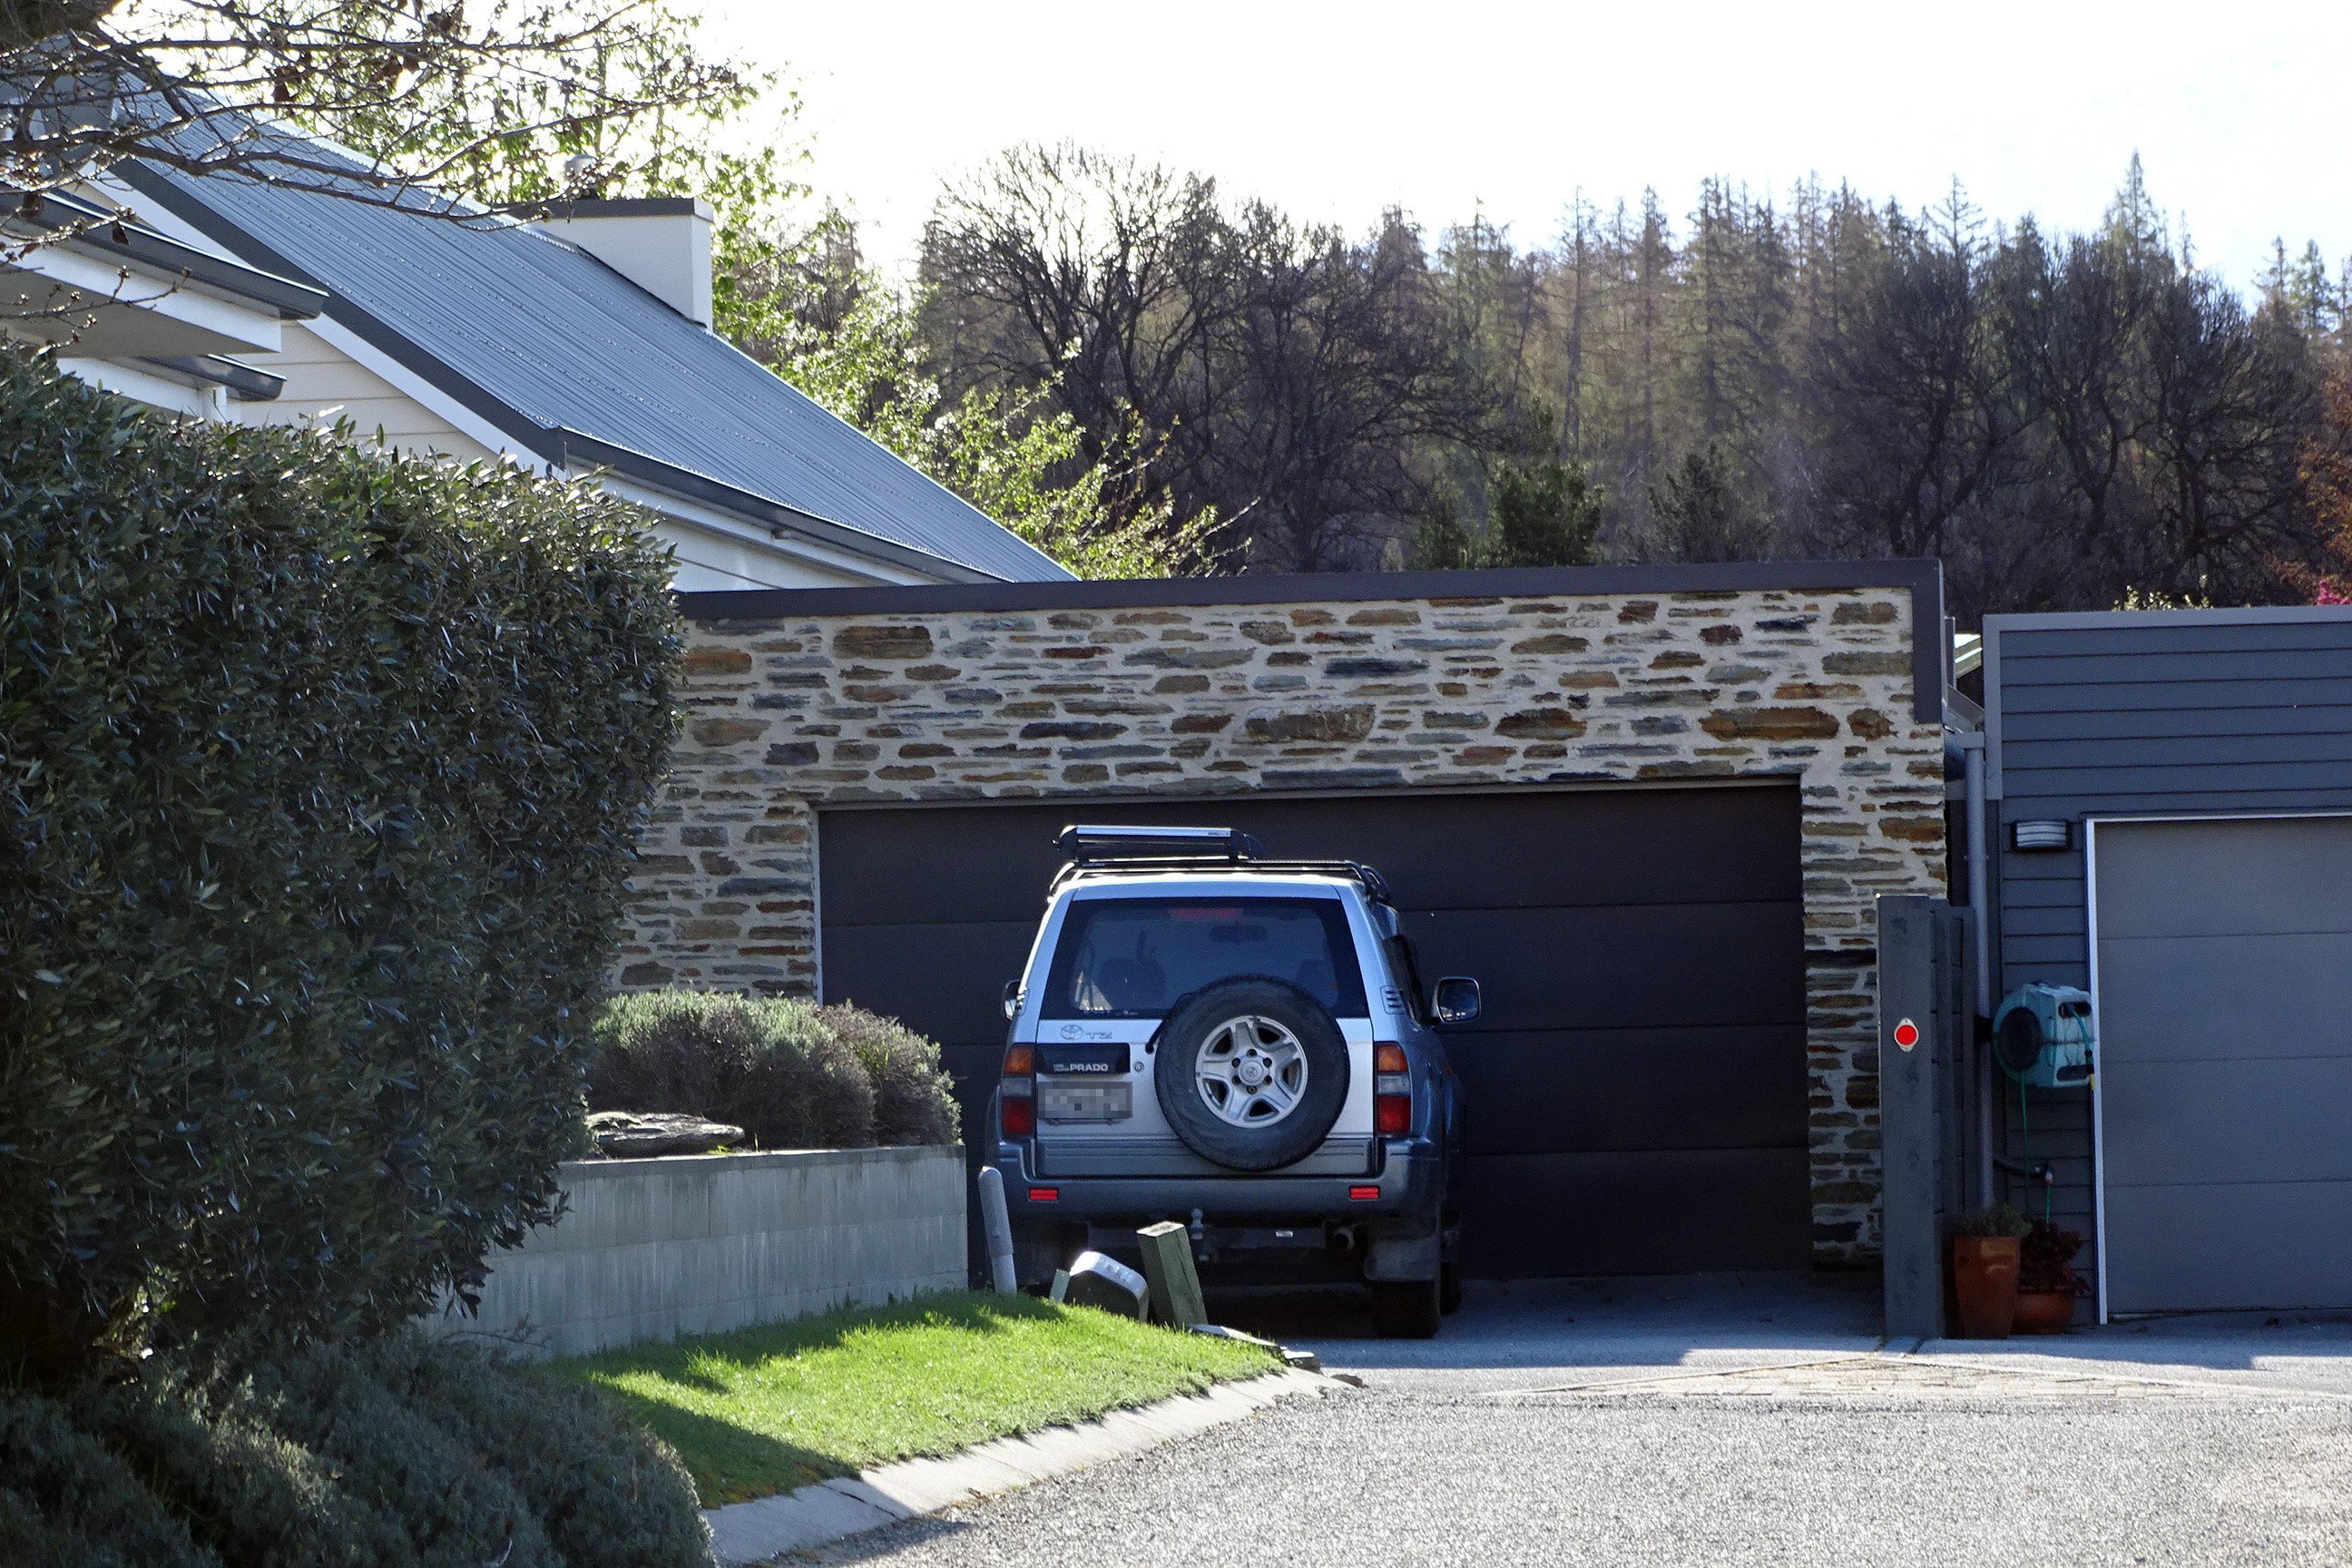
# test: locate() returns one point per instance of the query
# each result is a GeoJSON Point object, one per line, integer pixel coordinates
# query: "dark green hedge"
{"type": "Point", "coordinates": [400, 1452]}
{"type": "Point", "coordinates": [790, 1074]}
{"type": "Point", "coordinates": [320, 776]}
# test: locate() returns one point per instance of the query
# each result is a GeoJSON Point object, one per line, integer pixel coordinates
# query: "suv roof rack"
{"type": "Point", "coordinates": [1085, 843]}
{"type": "Point", "coordinates": [1101, 850]}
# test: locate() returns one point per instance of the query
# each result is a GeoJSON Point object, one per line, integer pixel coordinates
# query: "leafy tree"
{"type": "Point", "coordinates": [2326, 473]}
{"type": "Point", "coordinates": [1700, 512]}
{"type": "Point", "coordinates": [1006, 451]}
{"type": "Point", "coordinates": [1545, 512]}
{"type": "Point", "coordinates": [1293, 378]}
{"type": "Point", "coordinates": [454, 93]}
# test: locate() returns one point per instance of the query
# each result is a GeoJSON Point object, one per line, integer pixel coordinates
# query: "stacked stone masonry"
{"type": "Point", "coordinates": [791, 713]}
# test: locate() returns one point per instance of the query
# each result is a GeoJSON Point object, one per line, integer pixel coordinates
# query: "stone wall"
{"type": "Point", "coordinates": [651, 1250]}
{"type": "Point", "coordinates": [789, 712]}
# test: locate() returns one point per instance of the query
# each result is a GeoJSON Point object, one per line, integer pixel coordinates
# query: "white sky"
{"type": "Point", "coordinates": [2240, 113]}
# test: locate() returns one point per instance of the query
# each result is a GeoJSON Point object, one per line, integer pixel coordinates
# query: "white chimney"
{"type": "Point", "coordinates": [662, 244]}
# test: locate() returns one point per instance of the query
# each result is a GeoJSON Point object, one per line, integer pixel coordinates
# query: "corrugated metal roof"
{"type": "Point", "coordinates": [504, 315]}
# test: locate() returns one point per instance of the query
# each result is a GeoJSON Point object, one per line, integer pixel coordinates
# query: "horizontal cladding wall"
{"type": "Point", "coordinates": [2159, 715]}
{"type": "Point", "coordinates": [2153, 715]}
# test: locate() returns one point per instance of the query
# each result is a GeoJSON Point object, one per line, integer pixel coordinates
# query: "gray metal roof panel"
{"type": "Point", "coordinates": [550, 333]}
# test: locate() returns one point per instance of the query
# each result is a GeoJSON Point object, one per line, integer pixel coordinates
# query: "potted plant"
{"type": "Point", "coordinates": [1984, 1272]}
{"type": "Point", "coordinates": [2046, 1281]}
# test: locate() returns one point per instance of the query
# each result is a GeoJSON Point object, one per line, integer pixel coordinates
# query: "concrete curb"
{"type": "Point", "coordinates": [750, 1532]}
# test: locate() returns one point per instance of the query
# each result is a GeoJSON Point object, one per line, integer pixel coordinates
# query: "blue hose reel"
{"type": "Point", "coordinates": [2043, 1035]}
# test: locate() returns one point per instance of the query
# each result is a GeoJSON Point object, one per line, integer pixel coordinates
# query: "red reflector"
{"type": "Point", "coordinates": [1907, 1033]}
{"type": "Point", "coordinates": [1017, 1113]}
{"type": "Point", "coordinates": [1363, 1193]}
{"type": "Point", "coordinates": [1393, 1115]}
{"type": "Point", "coordinates": [1045, 1195]}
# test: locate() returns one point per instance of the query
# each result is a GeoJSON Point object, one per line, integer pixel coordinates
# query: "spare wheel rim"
{"type": "Point", "coordinates": [1251, 1071]}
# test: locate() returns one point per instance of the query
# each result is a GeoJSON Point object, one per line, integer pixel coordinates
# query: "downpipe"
{"type": "Point", "coordinates": [1974, 808]}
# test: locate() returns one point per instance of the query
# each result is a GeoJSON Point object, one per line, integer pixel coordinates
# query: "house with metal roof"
{"type": "Point", "coordinates": [578, 343]}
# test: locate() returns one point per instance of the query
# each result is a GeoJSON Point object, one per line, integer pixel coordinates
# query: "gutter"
{"type": "Point", "coordinates": [116, 236]}
{"type": "Point", "coordinates": [244, 383]}
{"type": "Point", "coordinates": [567, 448]}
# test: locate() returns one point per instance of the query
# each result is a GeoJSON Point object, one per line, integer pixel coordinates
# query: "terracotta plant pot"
{"type": "Point", "coordinates": [2044, 1311]}
{"type": "Point", "coordinates": [1984, 1278]}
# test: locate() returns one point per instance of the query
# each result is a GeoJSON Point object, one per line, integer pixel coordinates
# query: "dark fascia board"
{"type": "Point", "coordinates": [292, 300]}
{"type": "Point", "coordinates": [550, 444]}
{"type": "Point", "coordinates": [616, 206]}
{"type": "Point", "coordinates": [1924, 580]}
{"type": "Point", "coordinates": [572, 447]}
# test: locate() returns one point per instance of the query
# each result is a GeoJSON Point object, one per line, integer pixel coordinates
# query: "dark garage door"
{"type": "Point", "coordinates": [1637, 1084]}
{"type": "Point", "coordinates": [2225, 1066]}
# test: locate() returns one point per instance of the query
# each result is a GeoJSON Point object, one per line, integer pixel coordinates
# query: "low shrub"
{"type": "Point", "coordinates": [914, 1099]}
{"type": "Point", "coordinates": [254, 1497]}
{"type": "Point", "coordinates": [66, 1498]}
{"type": "Point", "coordinates": [804, 1089]}
{"type": "Point", "coordinates": [609, 1494]}
{"type": "Point", "coordinates": [407, 1452]}
{"type": "Point", "coordinates": [792, 1074]}
{"type": "Point", "coordinates": [382, 1446]}
{"type": "Point", "coordinates": [675, 1051]}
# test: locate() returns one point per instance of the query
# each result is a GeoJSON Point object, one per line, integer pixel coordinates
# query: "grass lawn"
{"type": "Point", "coordinates": [764, 1410]}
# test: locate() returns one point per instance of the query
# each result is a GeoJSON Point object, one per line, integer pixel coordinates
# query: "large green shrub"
{"type": "Point", "coordinates": [320, 776]}
{"type": "Point", "coordinates": [790, 1074]}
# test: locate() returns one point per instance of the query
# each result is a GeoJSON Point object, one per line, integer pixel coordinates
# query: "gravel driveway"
{"type": "Point", "coordinates": [1723, 1422]}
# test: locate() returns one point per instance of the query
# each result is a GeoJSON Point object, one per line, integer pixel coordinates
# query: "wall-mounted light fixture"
{"type": "Point", "coordinates": [2029, 836]}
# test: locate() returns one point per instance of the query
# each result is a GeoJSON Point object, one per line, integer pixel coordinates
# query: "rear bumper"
{"type": "Point", "coordinates": [1401, 1195]}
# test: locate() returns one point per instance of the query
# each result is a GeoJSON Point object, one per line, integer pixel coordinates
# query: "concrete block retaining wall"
{"type": "Point", "coordinates": [652, 1249]}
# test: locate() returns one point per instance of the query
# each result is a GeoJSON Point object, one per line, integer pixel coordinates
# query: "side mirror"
{"type": "Point", "coordinates": [1455, 1000]}
{"type": "Point", "coordinates": [1012, 1000]}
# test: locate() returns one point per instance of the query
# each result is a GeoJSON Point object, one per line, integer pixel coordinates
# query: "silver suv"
{"type": "Point", "coordinates": [1242, 1044]}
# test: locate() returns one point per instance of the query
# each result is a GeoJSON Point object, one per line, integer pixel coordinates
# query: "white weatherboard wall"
{"type": "Point", "coordinates": [652, 1249]}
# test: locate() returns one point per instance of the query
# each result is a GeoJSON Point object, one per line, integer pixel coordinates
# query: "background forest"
{"type": "Point", "coordinates": [2063, 419]}
{"type": "Point", "coordinates": [1144, 374]}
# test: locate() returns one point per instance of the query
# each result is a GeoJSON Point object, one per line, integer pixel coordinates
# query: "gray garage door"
{"type": "Point", "coordinates": [1637, 1085]}
{"type": "Point", "coordinates": [2225, 1070]}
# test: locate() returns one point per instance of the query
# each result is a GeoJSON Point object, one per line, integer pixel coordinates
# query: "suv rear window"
{"type": "Point", "coordinates": [1134, 958]}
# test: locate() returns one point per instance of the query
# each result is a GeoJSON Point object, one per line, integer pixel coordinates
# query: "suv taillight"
{"type": "Point", "coordinates": [1016, 1094]}
{"type": "Point", "coordinates": [1391, 1091]}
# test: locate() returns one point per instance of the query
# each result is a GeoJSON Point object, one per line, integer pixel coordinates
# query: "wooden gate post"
{"type": "Point", "coordinates": [1912, 1049]}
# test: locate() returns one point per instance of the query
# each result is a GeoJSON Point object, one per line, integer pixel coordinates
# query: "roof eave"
{"type": "Point", "coordinates": [571, 448]}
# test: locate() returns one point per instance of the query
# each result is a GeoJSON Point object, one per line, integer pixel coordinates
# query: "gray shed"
{"type": "Point", "coordinates": [2193, 772]}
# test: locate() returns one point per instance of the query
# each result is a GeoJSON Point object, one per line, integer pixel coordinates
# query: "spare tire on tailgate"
{"type": "Point", "coordinates": [1251, 1072]}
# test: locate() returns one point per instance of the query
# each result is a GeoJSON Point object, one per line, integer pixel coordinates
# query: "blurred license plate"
{"type": "Point", "coordinates": [1086, 1101]}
